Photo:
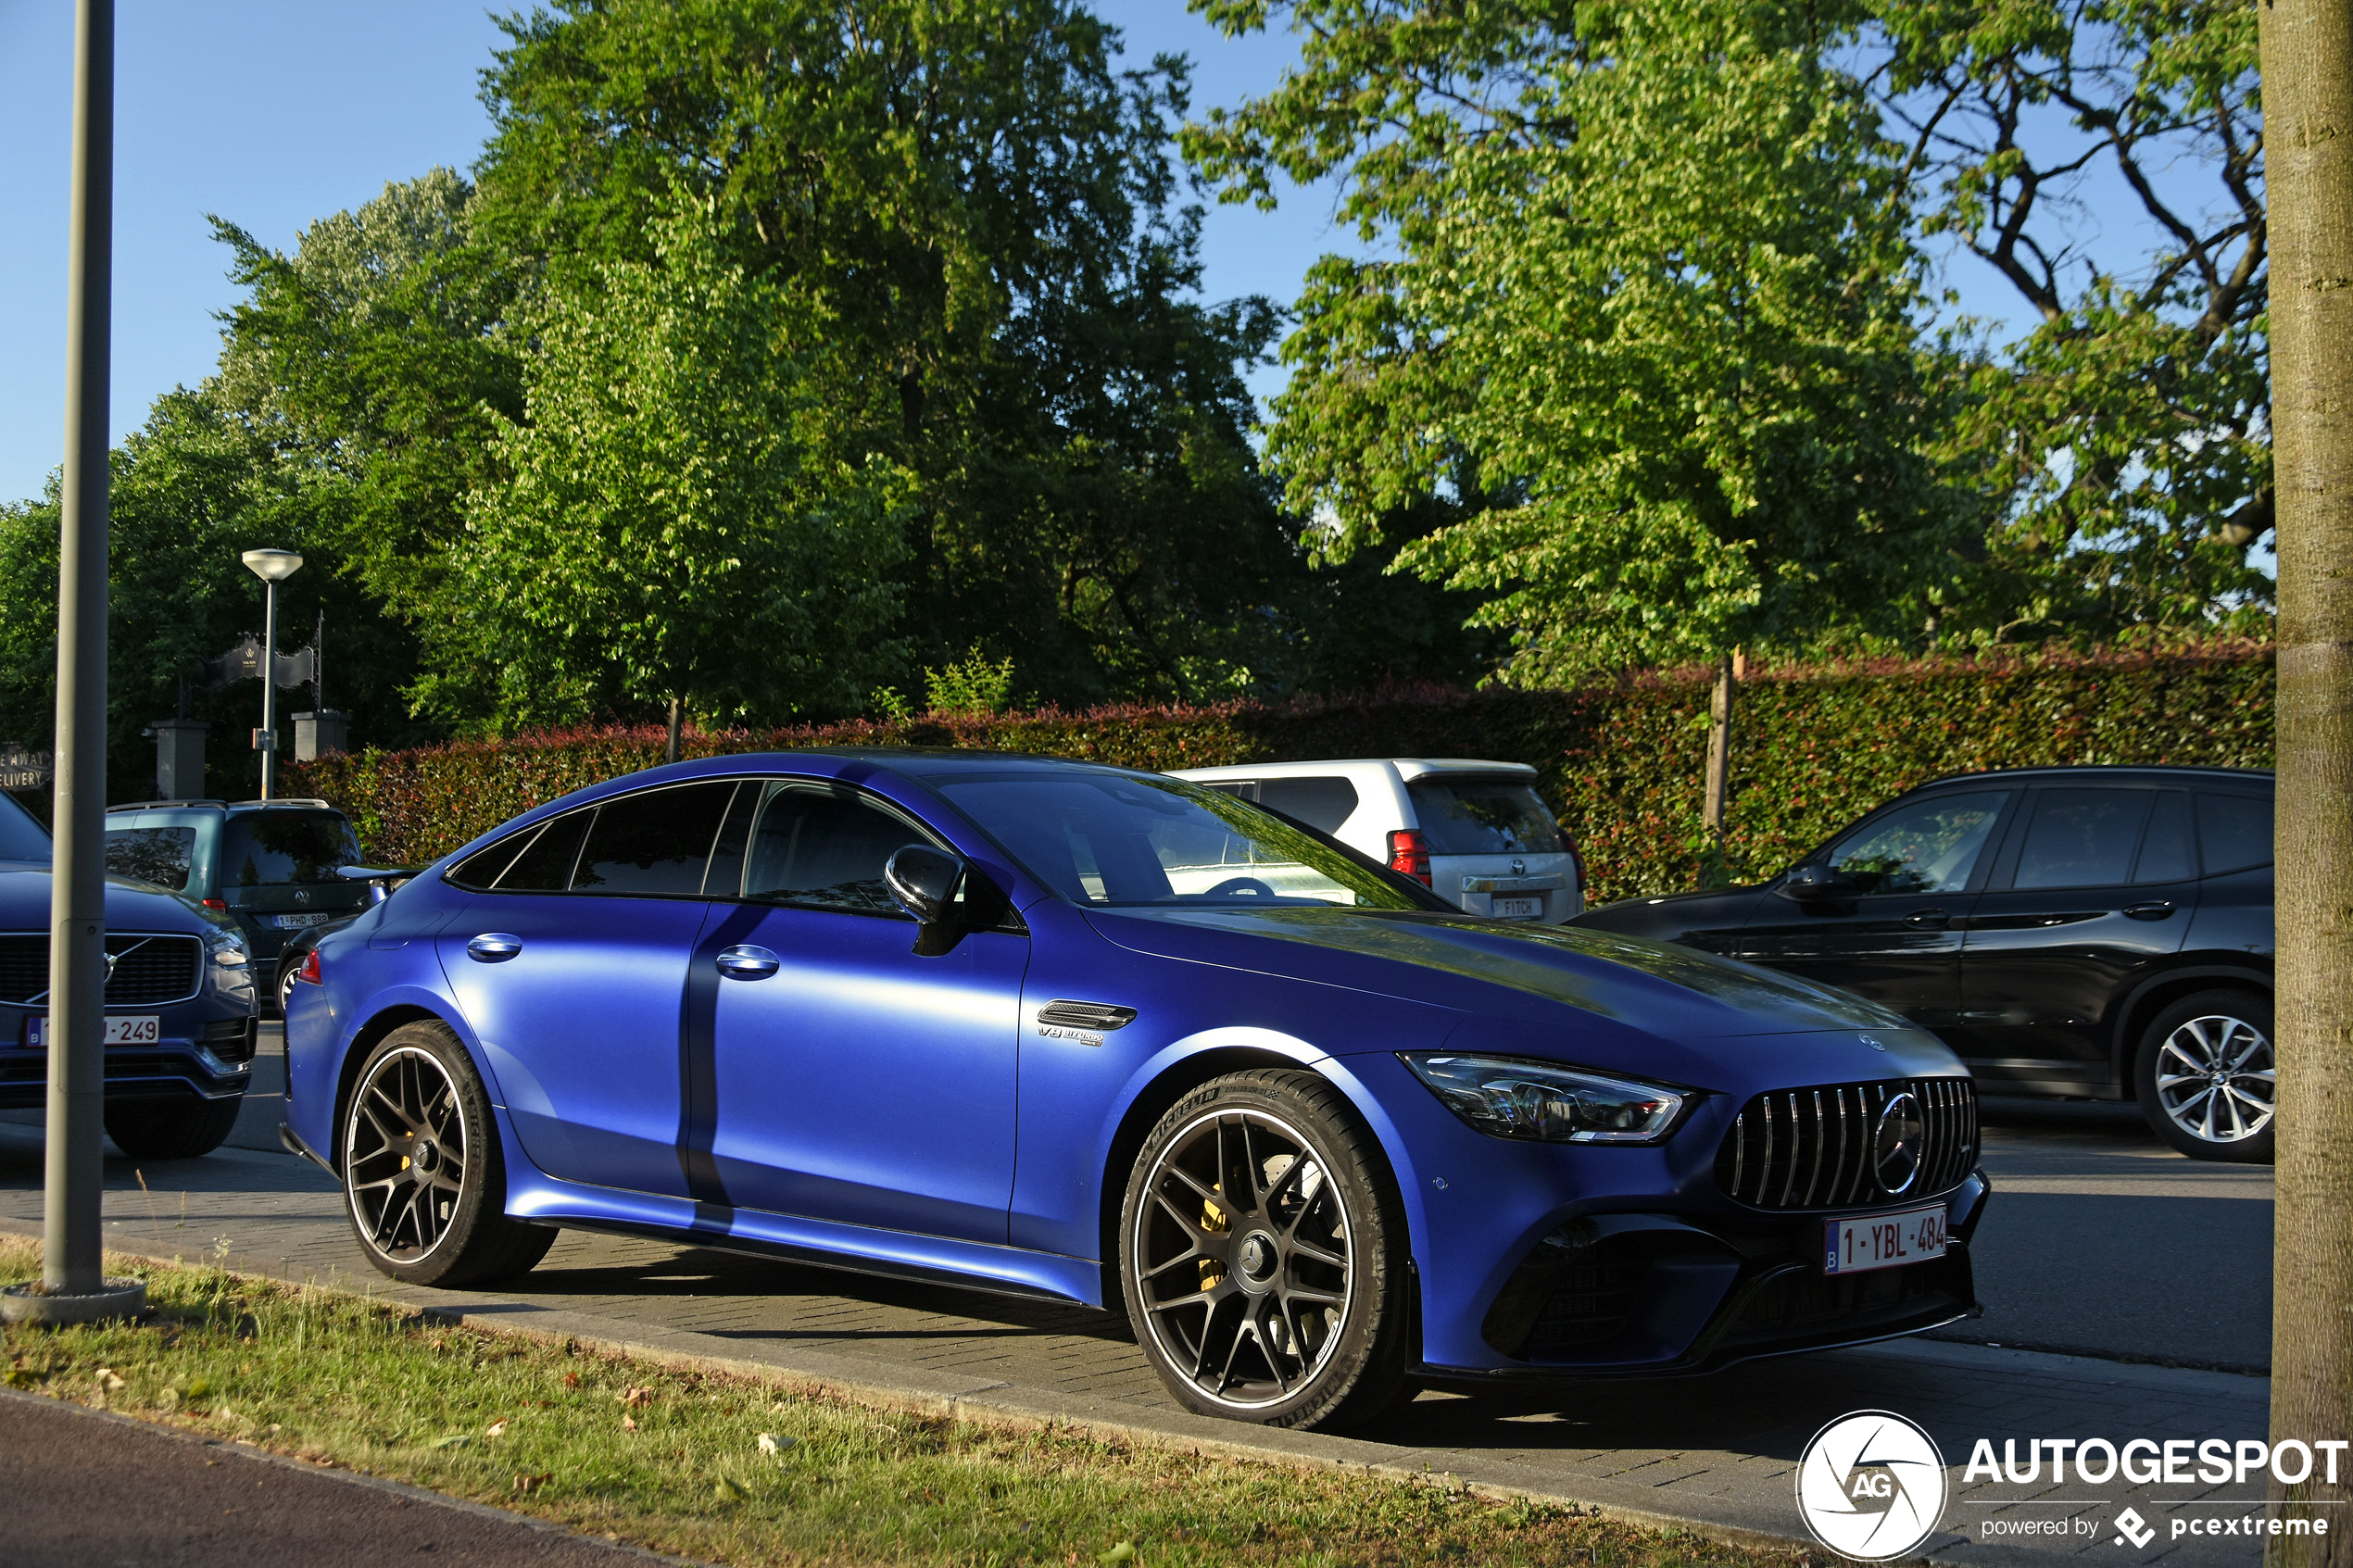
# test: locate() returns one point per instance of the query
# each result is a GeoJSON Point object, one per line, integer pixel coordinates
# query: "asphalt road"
{"type": "Point", "coordinates": [2101, 1241]}
{"type": "Point", "coordinates": [90, 1490]}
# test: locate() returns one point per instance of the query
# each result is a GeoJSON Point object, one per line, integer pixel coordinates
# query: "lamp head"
{"type": "Point", "coordinates": [273, 566]}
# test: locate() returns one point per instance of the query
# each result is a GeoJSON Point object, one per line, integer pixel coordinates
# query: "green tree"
{"type": "Point", "coordinates": [2124, 441]}
{"type": "Point", "coordinates": [671, 527]}
{"type": "Point", "coordinates": [973, 214]}
{"type": "Point", "coordinates": [1648, 321]}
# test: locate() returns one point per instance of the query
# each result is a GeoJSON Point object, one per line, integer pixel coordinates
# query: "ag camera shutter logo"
{"type": "Point", "coordinates": [1871, 1485]}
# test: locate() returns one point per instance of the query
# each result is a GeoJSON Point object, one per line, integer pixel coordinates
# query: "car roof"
{"type": "Point", "coordinates": [1408, 768]}
{"type": "Point", "coordinates": [306, 803]}
{"type": "Point", "coordinates": [2109, 771]}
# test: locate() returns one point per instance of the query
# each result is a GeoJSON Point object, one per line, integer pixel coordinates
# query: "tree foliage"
{"type": "Point", "coordinates": [1648, 322]}
{"type": "Point", "coordinates": [667, 522]}
{"type": "Point", "coordinates": [2124, 441]}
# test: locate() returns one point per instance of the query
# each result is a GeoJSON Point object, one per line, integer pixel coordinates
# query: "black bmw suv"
{"type": "Point", "coordinates": [2090, 932]}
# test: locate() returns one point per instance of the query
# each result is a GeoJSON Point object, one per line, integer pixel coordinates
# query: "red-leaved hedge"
{"type": "Point", "coordinates": [1621, 764]}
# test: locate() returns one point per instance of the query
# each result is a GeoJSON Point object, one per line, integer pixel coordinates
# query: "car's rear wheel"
{"type": "Point", "coordinates": [1263, 1255]}
{"type": "Point", "coordinates": [2206, 1076]}
{"type": "Point", "coordinates": [424, 1184]}
{"type": "Point", "coordinates": [170, 1129]}
{"type": "Point", "coordinates": [287, 970]}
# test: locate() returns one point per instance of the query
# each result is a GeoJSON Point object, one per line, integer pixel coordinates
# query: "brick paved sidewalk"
{"type": "Point", "coordinates": [1719, 1453]}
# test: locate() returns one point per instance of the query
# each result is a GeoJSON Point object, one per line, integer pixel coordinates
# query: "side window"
{"type": "Point", "coordinates": [2166, 852]}
{"type": "Point", "coordinates": [2082, 837]}
{"type": "Point", "coordinates": [824, 849]}
{"type": "Point", "coordinates": [480, 868]}
{"type": "Point", "coordinates": [1322, 803]}
{"type": "Point", "coordinates": [653, 844]}
{"type": "Point", "coordinates": [158, 855]}
{"type": "Point", "coordinates": [1931, 846]}
{"type": "Point", "coordinates": [2235, 832]}
{"type": "Point", "coordinates": [545, 865]}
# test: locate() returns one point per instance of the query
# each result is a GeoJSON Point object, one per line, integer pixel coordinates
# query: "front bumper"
{"type": "Point", "coordinates": [1621, 1295]}
{"type": "Point", "coordinates": [196, 1058]}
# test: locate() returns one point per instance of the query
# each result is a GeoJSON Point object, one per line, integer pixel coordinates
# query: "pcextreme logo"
{"type": "Point", "coordinates": [1871, 1485]}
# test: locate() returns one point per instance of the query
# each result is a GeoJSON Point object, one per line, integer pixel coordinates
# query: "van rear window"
{"type": "Point", "coordinates": [269, 849]}
{"type": "Point", "coordinates": [1484, 817]}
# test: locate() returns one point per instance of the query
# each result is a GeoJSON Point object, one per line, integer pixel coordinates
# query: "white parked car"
{"type": "Point", "coordinates": [1477, 833]}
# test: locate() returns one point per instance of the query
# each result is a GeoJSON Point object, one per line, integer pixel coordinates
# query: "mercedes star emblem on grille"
{"type": "Point", "coordinates": [1895, 1150]}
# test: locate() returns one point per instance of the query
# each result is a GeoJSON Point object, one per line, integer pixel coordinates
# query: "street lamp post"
{"type": "Point", "coordinates": [272, 566]}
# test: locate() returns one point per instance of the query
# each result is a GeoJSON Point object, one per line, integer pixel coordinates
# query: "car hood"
{"type": "Point", "coordinates": [131, 905]}
{"type": "Point", "coordinates": [1632, 998]}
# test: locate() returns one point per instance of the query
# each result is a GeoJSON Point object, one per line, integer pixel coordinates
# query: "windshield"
{"type": "Point", "coordinates": [21, 835]}
{"type": "Point", "coordinates": [1111, 840]}
{"type": "Point", "coordinates": [259, 848]}
{"type": "Point", "coordinates": [157, 855]}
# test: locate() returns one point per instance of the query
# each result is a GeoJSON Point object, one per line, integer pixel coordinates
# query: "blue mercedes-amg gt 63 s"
{"type": "Point", "coordinates": [1104, 1037]}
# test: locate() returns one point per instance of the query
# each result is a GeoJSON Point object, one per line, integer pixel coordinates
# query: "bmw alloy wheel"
{"type": "Point", "coordinates": [1244, 1262]}
{"type": "Point", "coordinates": [404, 1155]}
{"type": "Point", "coordinates": [2216, 1077]}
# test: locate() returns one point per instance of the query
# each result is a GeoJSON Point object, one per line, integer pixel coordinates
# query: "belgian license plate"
{"type": "Point", "coordinates": [1519, 909]}
{"type": "Point", "coordinates": [1883, 1241]}
{"type": "Point", "coordinates": [297, 922]}
{"type": "Point", "coordinates": [122, 1029]}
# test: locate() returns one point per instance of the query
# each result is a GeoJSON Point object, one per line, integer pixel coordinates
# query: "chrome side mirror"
{"type": "Point", "coordinates": [923, 881]}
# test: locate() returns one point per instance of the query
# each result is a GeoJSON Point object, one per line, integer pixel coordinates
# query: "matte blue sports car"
{"type": "Point", "coordinates": [1104, 1037]}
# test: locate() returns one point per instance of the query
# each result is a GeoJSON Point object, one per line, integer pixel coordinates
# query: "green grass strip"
{"type": "Point", "coordinates": [734, 1469]}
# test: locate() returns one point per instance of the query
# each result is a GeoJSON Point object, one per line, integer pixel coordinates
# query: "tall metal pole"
{"type": "Point", "coordinates": [78, 887]}
{"type": "Point", "coordinates": [270, 688]}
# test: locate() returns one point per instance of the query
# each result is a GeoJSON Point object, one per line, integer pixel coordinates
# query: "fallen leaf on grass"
{"type": "Point", "coordinates": [771, 1444]}
{"type": "Point", "coordinates": [628, 1423]}
{"type": "Point", "coordinates": [729, 1489]}
{"type": "Point", "coordinates": [454, 1440]}
{"type": "Point", "coordinates": [532, 1482]}
{"type": "Point", "coordinates": [498, 1428]}
{"type": "Point", "coordinates": [638, 1397]}
{"type": "Point", "coordinates": [571, 1380]}
{"type": "Point", "coordinates": [1124, 1552]}
{"type": "Point", "coordinates": [108, 1382]}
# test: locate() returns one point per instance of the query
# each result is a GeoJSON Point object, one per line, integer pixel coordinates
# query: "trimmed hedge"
{"type": "Point", "coordinates": [1814, 747]}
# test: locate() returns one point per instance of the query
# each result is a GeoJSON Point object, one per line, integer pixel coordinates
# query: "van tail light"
{"type": "Point", "coordinates": [218, 906]}
{"type": "Point", "coordinates": [309, 973]}
{"type": "Point", "coordinates": [1409, 855]}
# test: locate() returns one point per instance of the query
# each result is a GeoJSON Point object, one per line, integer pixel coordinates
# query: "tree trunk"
{"type": "Point", "coordinates": [1720, 746]}
{"type": "Point", "coordinates": [2308, 109]}
{"type": "Point", "coordinates": [675, 716]}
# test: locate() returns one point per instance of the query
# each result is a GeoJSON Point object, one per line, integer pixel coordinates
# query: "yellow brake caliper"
{"type": "Point", "coordinates": [1213, 1220]}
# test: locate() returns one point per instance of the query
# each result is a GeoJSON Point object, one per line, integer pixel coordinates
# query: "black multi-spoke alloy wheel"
{"type": "Point", "coordinates": [2206, 1076]}
{"type": "Point", "coordinates": [170, 1129]}
{"type": "Point", "coordinates": [1262, 1254]}
{"type": "Point", "coordinates": [422, 1179]}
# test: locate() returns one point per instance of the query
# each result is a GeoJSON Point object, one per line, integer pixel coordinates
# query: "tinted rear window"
{"type": "Point", "coordinates": [2235, 832]}
{"type": "Point", "coordinates": [1483, 817]}
{"type": "Point", "coordinates": [2082, 837]}
{"type": "Point", "coordinates": [2166, 852]}
{"type": "Point", "coordinates": [545, 866]}
{"type": "Point", "coordinates": [157, 855]}
{"type": "Point", "coordinates": [653, 844]}
{"type": "Point", "coordinates": [268, 848]}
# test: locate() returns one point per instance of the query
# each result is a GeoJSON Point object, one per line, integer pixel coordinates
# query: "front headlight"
{"type": "Point", "coordinates": [1508, 1097]}
{"type": "Point", "coordinates": [229, 949]}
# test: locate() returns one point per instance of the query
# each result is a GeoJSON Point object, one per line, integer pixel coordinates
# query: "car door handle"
{"type": "Point", "coordinates": [2154, 909]}
{"type": "Point", "coordinates": [1927, 919]}
{"type": "Point", "coordinates": [745, 961]}
{"type": "Point", "coordinates": [494, 946]}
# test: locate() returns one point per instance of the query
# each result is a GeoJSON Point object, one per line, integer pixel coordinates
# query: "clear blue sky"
{"type": "Point", "coordinates": [273, 113]}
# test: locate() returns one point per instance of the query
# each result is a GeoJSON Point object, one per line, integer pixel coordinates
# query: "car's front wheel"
{"type": "Point", "coordinates": [1263, 1255]}
{"type": "Point", "coordinates": [170, 1129]}
{"type": "Point", "coordinates": [2206, 1076]}
{"type": "Point", "coordinates": [424, 1184]}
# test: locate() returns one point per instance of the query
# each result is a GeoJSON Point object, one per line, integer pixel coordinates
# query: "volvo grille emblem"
{"type": "Point", "coordinates": [1895, 1150]}
{"type": "Point", "coordinates": [1873, 1041]}
{"type": "Point", "coordinates": [110, 960]}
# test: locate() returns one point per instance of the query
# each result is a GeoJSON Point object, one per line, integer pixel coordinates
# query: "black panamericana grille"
{"type": "Point", "coordinates": [1819, 1148]}
{"type": "Point", "coordinates": [148, 970]}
